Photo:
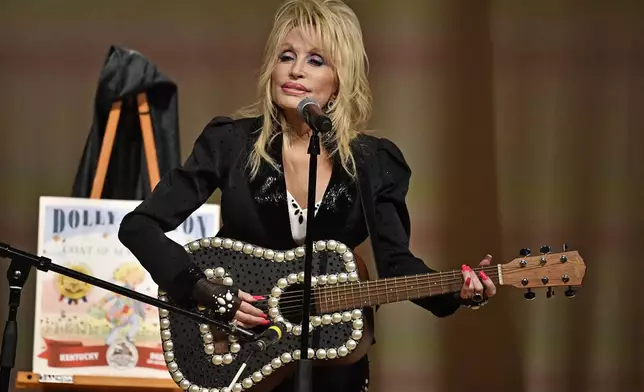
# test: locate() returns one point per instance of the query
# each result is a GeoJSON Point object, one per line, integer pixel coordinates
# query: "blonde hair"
{"type": "Point", "coordinates": [338, 29]}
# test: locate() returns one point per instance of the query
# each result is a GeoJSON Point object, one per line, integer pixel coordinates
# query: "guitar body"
{"type": "Point", "coordinates": [201, 358]}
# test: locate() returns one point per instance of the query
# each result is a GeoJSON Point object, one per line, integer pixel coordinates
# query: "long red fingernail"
{"type": "Point", "coordinates": [467, 281]}
{"type": "Point", "coordinates": [483, 276]}
{"type": "Point", "coordinates": [264, 315]}
{"type": "Point", "coordinates": [266, 322]}
{"type": "Point", "coordinates": [257, 297]}
{"type": "Point", "coordinates": [463, 267]}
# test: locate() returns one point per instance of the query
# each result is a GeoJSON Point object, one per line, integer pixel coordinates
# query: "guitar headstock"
{"type": "Point", "coordinates": [546, 270]}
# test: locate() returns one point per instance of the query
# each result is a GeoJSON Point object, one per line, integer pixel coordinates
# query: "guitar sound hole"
{"type": "Point", "coordinates": [290, 304]}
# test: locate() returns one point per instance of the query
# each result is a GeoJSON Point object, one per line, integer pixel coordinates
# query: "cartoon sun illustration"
{"type": "Point", "coordinates": [73, 290]}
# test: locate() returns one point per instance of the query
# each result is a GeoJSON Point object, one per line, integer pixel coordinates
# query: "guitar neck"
{"type": "Point", "coordinates": [390, 290]}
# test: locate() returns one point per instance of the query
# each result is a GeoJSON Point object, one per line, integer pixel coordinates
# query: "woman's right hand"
{"type": "Point", "coordinates": [248, 316]}
{"type": "Point", "coordinates": [221, 300]}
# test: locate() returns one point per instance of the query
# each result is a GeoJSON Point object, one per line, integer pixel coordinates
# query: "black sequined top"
{"type": "Point", "coordinates": [257, 212]}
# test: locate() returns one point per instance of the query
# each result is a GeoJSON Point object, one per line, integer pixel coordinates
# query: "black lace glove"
{"type": "Point", "coordinates": [222, 300]}
{"type": "Point", "coordinates": [191, 285]}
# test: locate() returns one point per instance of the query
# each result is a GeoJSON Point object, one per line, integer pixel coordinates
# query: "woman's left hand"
{"type": "Point", "coordinates": [477, 289]}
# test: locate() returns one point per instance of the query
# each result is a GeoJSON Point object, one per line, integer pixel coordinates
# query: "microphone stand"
{"type": "Point", "coordinates": [21, 263]}
{"type": "Point", "coordinates": [304, 374]}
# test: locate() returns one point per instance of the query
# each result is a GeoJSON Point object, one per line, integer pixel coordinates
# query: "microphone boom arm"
{"type": "Point", "coordinates": [45, 264]}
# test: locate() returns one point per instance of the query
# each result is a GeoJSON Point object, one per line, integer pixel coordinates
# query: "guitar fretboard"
{"type": "Point", "coordinates": [383, 291]}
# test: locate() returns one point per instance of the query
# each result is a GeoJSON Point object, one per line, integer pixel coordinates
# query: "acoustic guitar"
{"type": "Point", "coordinates": [201, 358]}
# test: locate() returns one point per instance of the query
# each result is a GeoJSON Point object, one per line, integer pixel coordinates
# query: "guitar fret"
{"type": "Point", "coordinates": [428, 289]}
{"type": "Point", "coordinates": [401, 288]}
{"type": "Point", "coordinates": [326, 300]}
{"type": "Point", "coordinates": [406, 291]}
{"type": "Point", "coordinates": [386, 292]}
{"type": "Point", "coordinates": [378, 299]}
{"type": "Point", "coordinates": [346, 304]}
{"type": "Point", "coordinates": [454, 275]}
{"type": "Point", "coordinates": [394, 291]}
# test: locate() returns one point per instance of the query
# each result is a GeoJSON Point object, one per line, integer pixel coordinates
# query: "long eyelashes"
{"type": "Point", "coordinates": [313, 59]}
{"type": "Point", "coordinates": [285, 57]}
{"type": "Point", "coordinates": [316, 60]}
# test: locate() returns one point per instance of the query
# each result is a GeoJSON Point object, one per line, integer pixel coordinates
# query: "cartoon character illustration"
{"type": "Point", "coordinates": [121, 312]}
{"type": "Point", "coordinates": [73, 290]}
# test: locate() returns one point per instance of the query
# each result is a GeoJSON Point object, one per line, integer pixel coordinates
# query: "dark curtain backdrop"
{"type": "Point", "coordinates": [523, 123]}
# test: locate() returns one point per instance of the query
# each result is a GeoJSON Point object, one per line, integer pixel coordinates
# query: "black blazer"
{"type": "Point", "coordinates": [257, 212]}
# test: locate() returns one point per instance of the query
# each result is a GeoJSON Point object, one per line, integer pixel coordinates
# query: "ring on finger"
{"type": "Point", "coordinates": [477, 297]}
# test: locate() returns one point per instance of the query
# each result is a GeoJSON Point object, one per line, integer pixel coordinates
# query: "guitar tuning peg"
{"type": "Point", "coordinates": [565, 247]}
{"type": "Point", "coordinates": [550, 292]}
{"type": "Point", "coordinates": [529, 295]}
{"type": "Point", "coordinates": [545, 249]}
{"type": "Point", "coordinates": [570, 293]}
{"type": "Point", "coordinates": [525, 252]}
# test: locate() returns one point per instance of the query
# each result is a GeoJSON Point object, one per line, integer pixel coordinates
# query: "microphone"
{"type": "Point", "coordinates": [314, 116]}
{"type": "Point", "coordinates": [270, 336]}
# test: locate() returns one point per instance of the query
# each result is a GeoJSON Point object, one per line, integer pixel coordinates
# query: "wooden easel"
{"type": "Point", "coordinates": [108, 143]}
{"type": "Point", "coordinates": [31, 380]}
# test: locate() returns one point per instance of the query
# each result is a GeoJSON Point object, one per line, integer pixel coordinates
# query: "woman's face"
{"type": "Point", "coordinates": [301, 72]}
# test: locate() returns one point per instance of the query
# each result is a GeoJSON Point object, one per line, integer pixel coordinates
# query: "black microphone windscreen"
{"type": "Point", "coordinates": [303, 104]}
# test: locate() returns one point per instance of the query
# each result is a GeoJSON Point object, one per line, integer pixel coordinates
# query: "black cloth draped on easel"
{"type": "Point", "coordinates": [126, 73]}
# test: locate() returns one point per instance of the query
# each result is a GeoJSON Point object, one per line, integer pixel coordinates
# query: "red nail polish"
{"type": "Point", "coordinates": [264, 315]}
{"type": "Point", "coordinates": [463, 267]}
{"type": "Point", "coordinates": [469, 269]}
{"type": "Point", "coordinates": [257, 297]}
{"type": "Point", "coordinates": [266, 322]}
{"type": "Point", "coordinates": [468, 281]}
{"type": "Point", "coordinates": [483, 276]}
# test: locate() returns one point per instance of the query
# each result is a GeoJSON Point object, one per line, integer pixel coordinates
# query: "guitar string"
{"type": "Point", "coordinates": [422, 280]}
{"type": "Point", "coordinates": [491, 271]}
{"type": "Point", "coordinates": [341, 293]}
{"type": "Point", "coordinates": [330, 298]}
{"type": "Point", "coordinates": [335, 306]}
{"type": "Point", "coordinates": [349, 290]}
{"type": "Point", "coordinates": [361, 296]}
{"type": "Point", "coordinates": [361, 299]}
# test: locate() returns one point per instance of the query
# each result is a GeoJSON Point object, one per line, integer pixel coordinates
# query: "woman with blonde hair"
{"type": "Point", "coordinates": [260, 163]}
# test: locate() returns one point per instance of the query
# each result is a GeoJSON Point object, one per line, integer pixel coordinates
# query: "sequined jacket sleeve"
{"type": "Point", "coordinates": [393, 227]}
{"type": "Point", "coordinates": [178, 194]}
